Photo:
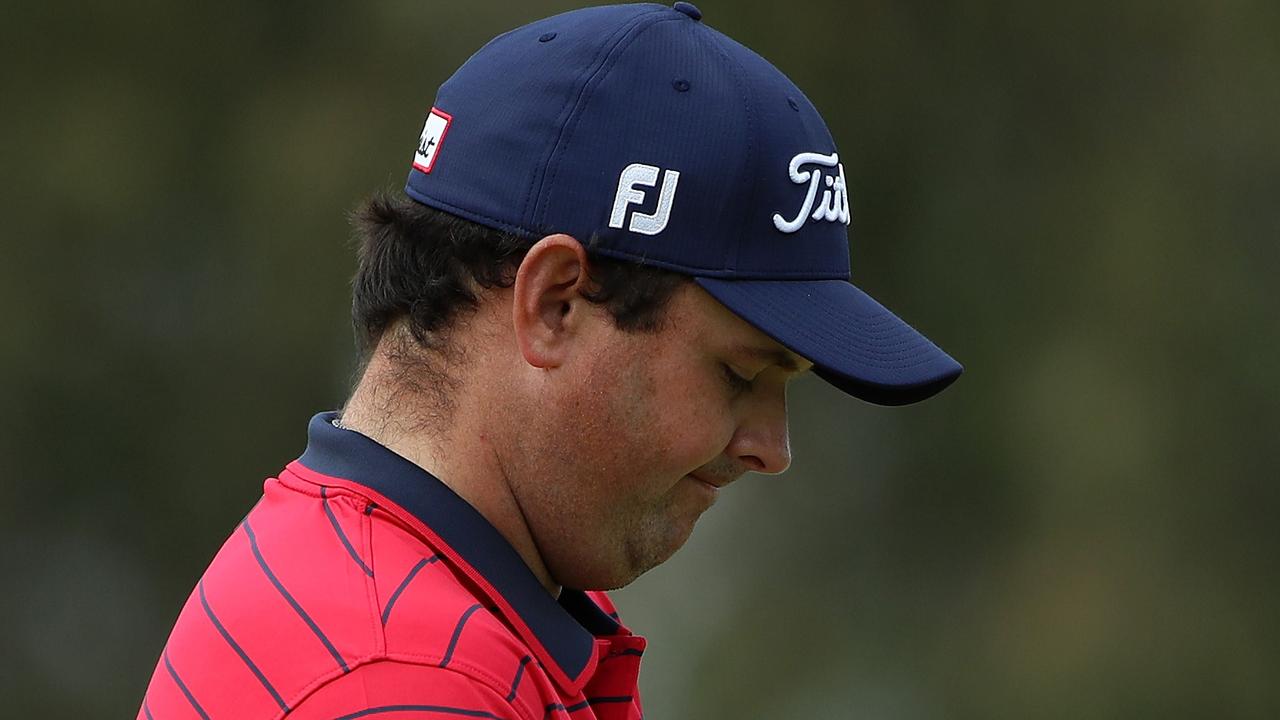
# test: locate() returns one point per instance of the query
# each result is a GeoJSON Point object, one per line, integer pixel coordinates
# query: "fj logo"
{"type": "Point", "coordinates": [835, 198]}
{"type": "Point", "coordinates": [639, 174]}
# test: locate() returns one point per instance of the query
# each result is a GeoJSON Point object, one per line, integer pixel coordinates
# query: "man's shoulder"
{"type": "Point", "coordinates": [421, 606]}
{"type": "Point", "coordinates": [316, 582]}
{"type": "Point", "coordinates": [428, 611]}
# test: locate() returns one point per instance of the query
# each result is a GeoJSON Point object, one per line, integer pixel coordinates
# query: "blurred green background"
{"type": "Point", "coordinates": [1078, 201]}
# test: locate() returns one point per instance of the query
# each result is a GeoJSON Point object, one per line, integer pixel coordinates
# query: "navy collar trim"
{"type": "Point", "coordinates": [564, 628]}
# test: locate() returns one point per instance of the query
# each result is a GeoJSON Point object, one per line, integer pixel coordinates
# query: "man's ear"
{"type": "Point", "coordinates": [547, 303]}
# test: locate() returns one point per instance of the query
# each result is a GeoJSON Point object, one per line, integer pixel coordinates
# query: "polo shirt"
{"type": "Point", "coordinates": [360, 585]}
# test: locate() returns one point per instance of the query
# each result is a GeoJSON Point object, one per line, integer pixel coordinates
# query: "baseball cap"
{"type": "Point", "coordinates": [663, 141]}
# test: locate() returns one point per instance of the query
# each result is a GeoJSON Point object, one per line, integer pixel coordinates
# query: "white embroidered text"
{"type": "Point", "coordinates": [639, 174]}
{"type": "Point", "coordinates": [835, 198]}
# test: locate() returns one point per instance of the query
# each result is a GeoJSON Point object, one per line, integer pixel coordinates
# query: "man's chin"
{"type": "Point", "coordinates": [639, 558]}
{"type": "Point", "coordinates": [655, 554]}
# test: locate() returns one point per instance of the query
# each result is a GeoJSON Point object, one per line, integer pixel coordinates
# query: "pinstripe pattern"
{"type": "Point", "coordinates": [183, 687]}
{"type": "Point", "coordinates": [519, 674]}
{"type": "Point", "coordinates": [262, 563]}
{"type": "Point", "coordinates": [457, 633]}
{"type": "Point", "coordinates": [386, 612]}
{"type": "Point", "coordinates": [609, 699]}
{"type": "Point", "coordinates": [553, 707]}
{"type": "Point", "coordinates": [439, 709]}
{"type": "Point", "coordinates": [333, 520]}
{"type": "Point", "coordinates": [623, 653]}
{"type": "Point", "coordinates": [239, 651]}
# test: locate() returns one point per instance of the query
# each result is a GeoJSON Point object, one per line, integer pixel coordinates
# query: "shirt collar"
{"type": "Point", "coordinates": [562, 633]}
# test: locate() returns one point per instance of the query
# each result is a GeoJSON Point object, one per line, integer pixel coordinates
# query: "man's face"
{"type": "Point", "coordinates": [639, 429]}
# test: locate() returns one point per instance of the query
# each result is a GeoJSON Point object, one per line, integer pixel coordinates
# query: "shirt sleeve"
{"type": "Point", "coordinates": [394, 690]}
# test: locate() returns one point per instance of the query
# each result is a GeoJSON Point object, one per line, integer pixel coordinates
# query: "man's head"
{"type": "Point", "coordinates": [637, 234]}
{"type": "Point", "coordinates": [621, 396]}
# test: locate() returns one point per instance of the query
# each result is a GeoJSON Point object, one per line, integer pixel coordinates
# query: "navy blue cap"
{"type": "Point", "coordinates": [671, 144]}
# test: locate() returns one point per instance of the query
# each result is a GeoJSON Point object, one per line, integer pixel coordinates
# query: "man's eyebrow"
{"type": "Point", "coordinates": [781, 358]}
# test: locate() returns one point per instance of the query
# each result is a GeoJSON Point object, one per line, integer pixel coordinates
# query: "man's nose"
{"type": "Point", "coordinates": [761, 442]}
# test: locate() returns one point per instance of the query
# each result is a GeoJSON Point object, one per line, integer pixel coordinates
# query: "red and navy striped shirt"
{"type": "Point", "coordinates": [360, 585]}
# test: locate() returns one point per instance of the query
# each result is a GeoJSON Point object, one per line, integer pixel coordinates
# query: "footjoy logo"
{"type": "Point", "coordinates": [835, 198]}
{"type": "Point", "coordinates": [639, 174]}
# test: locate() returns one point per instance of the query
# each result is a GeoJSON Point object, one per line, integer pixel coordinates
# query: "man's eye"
{"type": "Point", "coordinates": [735, 381]}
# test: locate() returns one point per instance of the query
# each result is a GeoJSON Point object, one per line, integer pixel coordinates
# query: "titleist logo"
{"type": "Point", "coordinates": [834, 205]}
{"type": "Point", "coordinates": [433, 132]}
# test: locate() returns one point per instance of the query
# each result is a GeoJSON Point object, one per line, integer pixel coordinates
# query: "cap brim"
{"type": "Point", "coordinates": [854, 342]}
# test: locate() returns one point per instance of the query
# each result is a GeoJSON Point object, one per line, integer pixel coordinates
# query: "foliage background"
{"type": "Point", "coordinates": [1078, 200]}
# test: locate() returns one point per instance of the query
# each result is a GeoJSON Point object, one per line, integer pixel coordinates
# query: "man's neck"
{"type": "Point", "coordinates": [462, 457]}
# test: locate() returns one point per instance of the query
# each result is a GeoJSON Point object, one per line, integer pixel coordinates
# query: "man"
{"type": "Point", "coordinates": [623, 235]}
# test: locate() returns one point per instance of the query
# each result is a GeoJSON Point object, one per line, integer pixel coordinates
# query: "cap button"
{"type": "Point", "coordinates": [688, 9]}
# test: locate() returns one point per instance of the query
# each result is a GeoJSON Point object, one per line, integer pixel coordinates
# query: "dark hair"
{"type": "Point", "coordinates": [427, 266]}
